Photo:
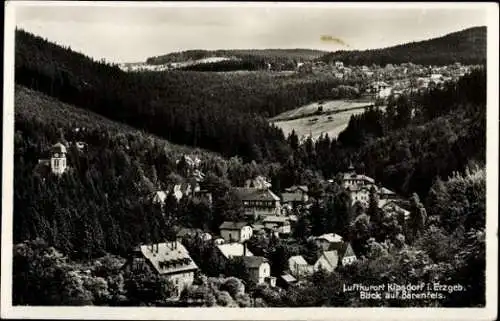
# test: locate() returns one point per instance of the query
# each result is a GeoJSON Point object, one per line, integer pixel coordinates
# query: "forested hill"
{"type": "Point", "coordinates": [270, 55]}
{"type": "Point", "coordinates": [103, 202]}
{"type": "Point", "coordinates": [182, 107]}
{"type": "Point", "coordinates": [467, 46]}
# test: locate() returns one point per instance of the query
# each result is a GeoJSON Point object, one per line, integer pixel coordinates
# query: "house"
{"type": "Point", "coordinates": [325, 241]}
{"type": "Point", "coordinates": [328, 261]}
{"type": "Point", "coordinates": [231, 250]}
{"type": "Point", "coordinates": [301, 190]}
{"type": "Point", "coordinates": [279, 223]}
{"type": "Point", "coordinates": [235, 231]}
{"type": "Point", "coordinates": [258, 268]}
{"type": "Point", "coordinates": [345, 253]}
{"type": "Point", "coordinates": [355, 181]}
{"type": "Point", "coordinates": [298, 266]}
{"type": "Point", "coordinates": [381, 88]}
{"type": "Point", "coordinates": [360, 195]}
{"type": "Point", "coordinates": [159, 197]}
{"type": "Point", "coordinates": [258, 202]}
{"type": "Point", "coordinates": [286, 281]}
{"type": "Point", "coordinates": [385, 193]}
{"type": "Point", "coordinates": [390, 207]}
{"type": "Point", "coordinates": [170, 259]}
{"type": "Point", "coordinates": [339, 64]}
{"type": "Point", "coordinates": [57, 162]}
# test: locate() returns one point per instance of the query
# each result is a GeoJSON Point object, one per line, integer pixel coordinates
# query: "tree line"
{"type": "Point", "coordinates": [467, 47]}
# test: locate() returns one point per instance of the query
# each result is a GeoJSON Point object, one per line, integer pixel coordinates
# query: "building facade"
{"type": "Point", "coordinates": [235, 231]}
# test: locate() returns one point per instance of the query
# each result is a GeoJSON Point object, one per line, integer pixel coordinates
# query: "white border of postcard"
{"type": "Point", "coordinates": [126, 313]}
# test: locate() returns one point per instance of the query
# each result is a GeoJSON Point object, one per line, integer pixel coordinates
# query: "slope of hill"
{"type": "Point", "coordinates": [206, 110]}
{"type": "Point", "coordinates": [175, 106]}
{"type": "Point", "coordinates": [103, 203]}
{"type": "Point", "coordinates": [34, 105]}
{"type": "Point", "coordinates": [267, 54]}
{"type": "Point", "coordinates": [467, 47]}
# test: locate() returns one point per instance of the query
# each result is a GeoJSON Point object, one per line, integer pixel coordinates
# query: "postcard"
{"type": "Point", "coordinates": [250, 161]}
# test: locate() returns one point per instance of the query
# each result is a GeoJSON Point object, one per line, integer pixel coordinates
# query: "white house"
{"type": "Point", "coordinates": [353, 181]}
{"type": "Point", "coordinates": [170, 259]}
{"type": "Point", "coordinates": [258, 268]}
{"type": "Point", "coordinates": [159, 197]}
{"type": "Point", "coordinates": [279, 223]}
{"type": "Point", "coordinates": [235, 231]}
{"type": "Point", "coordinates": [57, 162]}
{"type": "Point", "coordinates": [298, 266]}
{"type": "Point", "coordinates": [231, 250]}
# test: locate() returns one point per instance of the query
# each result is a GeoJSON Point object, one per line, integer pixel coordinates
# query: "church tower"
{"type": "Point", "coordinates": [58, 159]}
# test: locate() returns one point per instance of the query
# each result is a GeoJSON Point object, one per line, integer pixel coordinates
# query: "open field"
{"type": "Point", "coordinates": [325, 124]}
{"type": "Point", "coordinates": [330, 122]}
{"type": "Point", "coordinates": [328, 107]}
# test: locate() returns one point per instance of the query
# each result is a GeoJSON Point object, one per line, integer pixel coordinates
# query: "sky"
{"type": "Point", "coordinates": [132, 34]}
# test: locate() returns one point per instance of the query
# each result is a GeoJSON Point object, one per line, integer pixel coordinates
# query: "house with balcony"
{"type": "Point", "coordinates": [258, 202]}
{"type": "Point", "coordinates": [169, 259]}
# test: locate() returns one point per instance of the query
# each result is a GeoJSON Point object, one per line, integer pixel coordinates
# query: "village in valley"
{"type": "Point", "coordinates": [265, 215]}
{"type": "Point", "coordinates": [248, 178]}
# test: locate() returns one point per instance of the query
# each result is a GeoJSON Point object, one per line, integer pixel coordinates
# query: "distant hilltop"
{"type": "Point", "coordinates": [467, 46]}
{"type": "Point", "coordinates": [267, 54]}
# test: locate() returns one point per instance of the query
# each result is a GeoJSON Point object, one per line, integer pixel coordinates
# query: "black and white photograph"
{"type": "Point", "coordinates": [185, 156]}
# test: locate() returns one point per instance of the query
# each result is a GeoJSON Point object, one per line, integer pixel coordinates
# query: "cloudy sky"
{"type": "Point", "coordinates": [131, 34]}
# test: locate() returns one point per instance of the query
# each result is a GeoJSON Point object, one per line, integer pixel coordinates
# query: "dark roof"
{"type": "Point", "coordinates": [253, 261]}
{"type": "Point", "coordinates": [232, 225]}
{"type": "Point", "coordinates": [255, 194]}
{"type": "Point", "coordinates": [343, 249]}
{"type": "Point", "coordinates": [59, 148]}
{"type": "Point", "coordinates": [293, 188]}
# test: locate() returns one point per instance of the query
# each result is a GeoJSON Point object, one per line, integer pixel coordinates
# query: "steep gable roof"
{"type": "Point", "coordinates": [330, 237]}
{"type": "Point", "coordinates": [168, 258]}
{"type": "Point", "coordinates": [297, 260]}
{"type": "Point", "coordinates": [229, 250]}
{"type": "Point", "coordinates": [331, 257]}
{"type": "Point", "coordinates": [295, 188]}
{"type": "Point", "coordinates": [343, 249]}
{"type": "Point", "coordinates": [255, 194]}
